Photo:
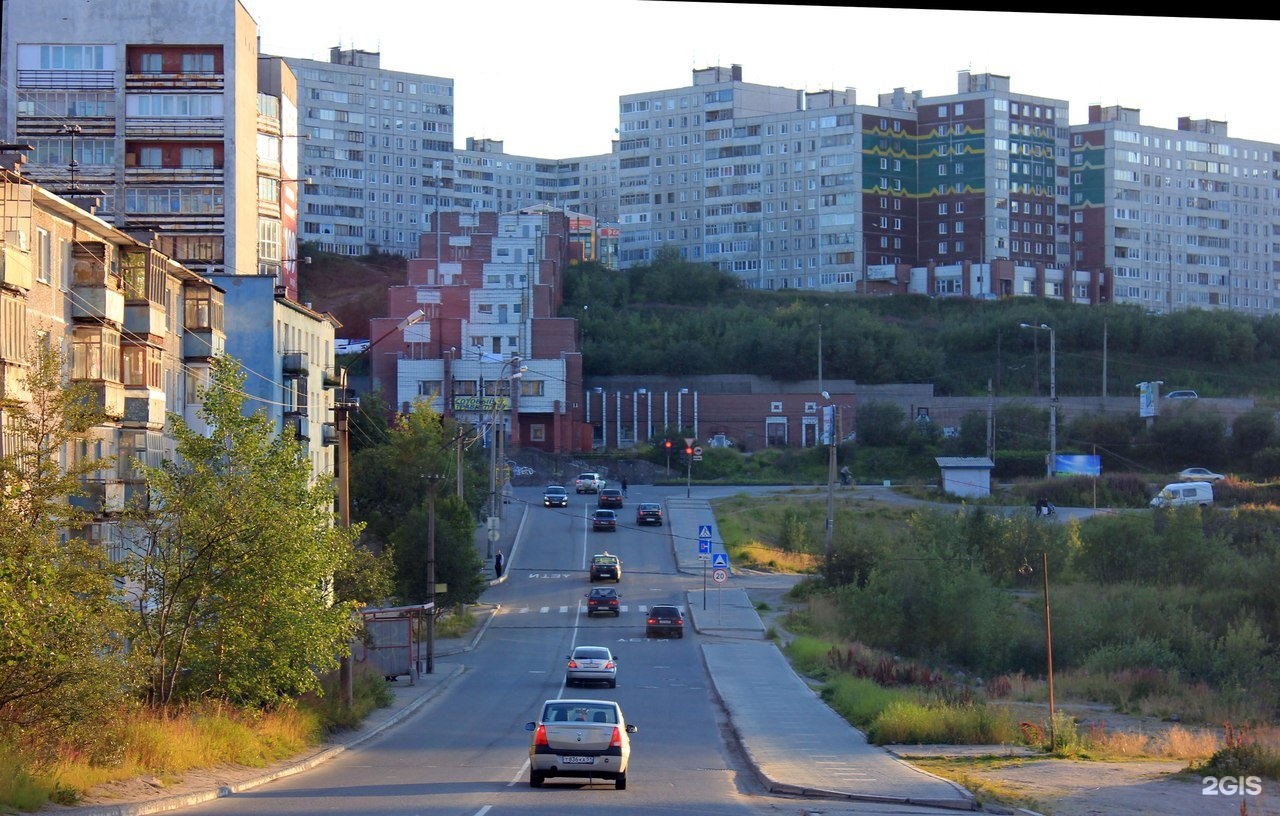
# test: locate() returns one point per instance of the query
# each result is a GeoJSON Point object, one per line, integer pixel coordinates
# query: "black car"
{"type": "Point", "coordinates": [664, 619]}
{"type": "Point", "coordinates": [609, 497]}
{"type": "Point", "coordinates": [555, 496]}
{"type": "Point", "coordinates": [602, 601]}
{"type": "Point", "coordinates": [649, 513]}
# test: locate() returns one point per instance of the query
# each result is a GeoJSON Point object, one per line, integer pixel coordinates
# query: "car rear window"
{"type": "Point", "coordinates": [665, 611]}
{"type": "Point", "coordinates": [591, 654]}
{"type": "Point", "coordinates": [605, 559]}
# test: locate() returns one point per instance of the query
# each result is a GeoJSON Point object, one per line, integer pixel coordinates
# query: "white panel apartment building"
{"type": "Point", "coordinates": [377, 154]}
{"type": "Point", "coordinates": [1183, 218]}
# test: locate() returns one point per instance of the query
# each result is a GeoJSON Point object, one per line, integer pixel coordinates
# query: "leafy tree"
{"type": "Point", "coordinates": [1252, 432]}
{"type": "Point", "coordinates": [881, 424]}
{"type": "Point", "coordinates": [390, 490]}
{"type": "Point", "coordinates": [62, 664]}
{"type": "Point", "coordinates": [236, 553]}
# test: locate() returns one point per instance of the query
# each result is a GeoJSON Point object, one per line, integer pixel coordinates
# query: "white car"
{"type": "Point", "coordinates": [588, 483]}
{"type": "Point", "coordinates": [591, 664]}
{"type": "Point", "coordinates": [1198, 474]}
{"type": "Point", "coordinates": [580, 738]}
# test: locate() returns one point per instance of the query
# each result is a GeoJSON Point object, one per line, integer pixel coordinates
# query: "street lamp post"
{"type": "Point", "coordinates": [1053, 393]}
{"type": "Point", "coordinates": [342, 408]}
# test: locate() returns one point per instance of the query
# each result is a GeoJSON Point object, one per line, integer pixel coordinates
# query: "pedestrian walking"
{"type": "Point", "coordinates": [497, 564]}
{"type": "Point", "coordinates": [624, 486]}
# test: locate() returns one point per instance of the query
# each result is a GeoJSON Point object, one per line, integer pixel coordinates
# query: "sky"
{"type": "Point", "coordinates": [544, 76]}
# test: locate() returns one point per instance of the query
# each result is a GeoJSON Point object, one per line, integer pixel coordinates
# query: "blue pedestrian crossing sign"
{"type": "Point", "coordinates": [704, 531]}
{"type": "Point", "coordinates": [719, 560]}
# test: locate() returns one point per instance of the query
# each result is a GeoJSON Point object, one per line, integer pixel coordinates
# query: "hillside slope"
{"type": "Point", "coordinates": [353, 290]}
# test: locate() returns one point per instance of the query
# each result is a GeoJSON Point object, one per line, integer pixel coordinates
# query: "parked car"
{"type": "Point", "coordinates": [580, 738]}
{"type": "Point", "coordinates": [649, 513]}
{"type": "Point", "coordinates": [1199, 474]}
{"type": "Point", "coordinates": [664, 619]}
{"type": "Point", "coordinates": [604, 520]}
{"type": "Point", "coordinates": [591, 664]}
{"type": "Point", "coordinates": [1182, 395]}
{"type": "Point", "coordinates": [589, 483]}
{"type": "Point", "coordinates": [609, 497]}
{"type": "Point", "coordinates": [555, 496]}
{"type": "Point", "coordinates": [606, 565]}
{"type": "Point", "coordinates": [602, 601]}
{"type": "Point", "coordinates": [1184, 494]}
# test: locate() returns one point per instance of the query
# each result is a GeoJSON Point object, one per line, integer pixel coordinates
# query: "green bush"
{"type": "Point", "coordinates": [904, 721]}
{"type": "Point", "coordinates": [860, 700]}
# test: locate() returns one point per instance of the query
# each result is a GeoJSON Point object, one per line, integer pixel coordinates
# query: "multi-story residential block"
{"type": "Point", "coordinates": [136, 328]}
{"type": "Point", "coordinates": [491, 350]}
{"type": "Point", "coordinates": [287, 350]}
{"type": "Point", "coordinates": [1179, 218]}
{"type": "Point", "coordinates": [377, 157]}
{"type": "Point", "coordinates": [182, 136]}
{"type": "Point", "coordinates": [164, 127]}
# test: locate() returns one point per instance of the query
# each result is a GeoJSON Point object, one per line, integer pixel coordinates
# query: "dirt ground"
{"type": "Point", "coordinates": [1017, 777]}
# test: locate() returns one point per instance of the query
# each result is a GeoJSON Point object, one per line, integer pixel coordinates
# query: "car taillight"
{"type": "Point", "coordinates": [540, 736]}
{"type": "Point", "coordinates": [616, 740]}
{"type": "Point", "coordinates": [609, 664]}
{"type": "Point", "coordinates": [652, 620]}
{"type": "Point", "coordinates": [573, 664]}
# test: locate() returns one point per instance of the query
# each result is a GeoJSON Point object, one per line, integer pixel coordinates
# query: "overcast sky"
{"type": "Point", "coordinates": [544, 76]}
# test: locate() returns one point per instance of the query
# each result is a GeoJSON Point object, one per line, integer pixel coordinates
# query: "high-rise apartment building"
{"type": "Point", "coordinates": [181, 136]}
{"type": "Point", "coordinates": [160, 130]}
{"type": "Point", "coordinates": [377, 153]}
{"type": "Point", "coordinates": [1179, 218]}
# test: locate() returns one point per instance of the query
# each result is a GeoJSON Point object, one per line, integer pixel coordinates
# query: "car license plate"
{"type": "Point", "coordinates": [578, 760]}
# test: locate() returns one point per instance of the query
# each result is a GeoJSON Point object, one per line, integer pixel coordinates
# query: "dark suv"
{"type": "Point", "coordinates": [664, 619]}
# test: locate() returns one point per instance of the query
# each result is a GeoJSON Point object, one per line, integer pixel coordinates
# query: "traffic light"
{"type": "Point", "coordinates": [688, 452]}
{"type": "Point", "coordinates": [666, 446]}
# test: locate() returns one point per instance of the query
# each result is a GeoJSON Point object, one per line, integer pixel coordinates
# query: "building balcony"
{"type": "Point", "coordinates": [202, 344]}
{"type": "Point", "coordinates": [331, 378]}
{"type": "Point", "coordinates": [144, 406]}
{"type": "Point", "coordinates": [135, 83]}
{"type": "Point", "coordinates": [173, 175]}
{"type": "Point", "coordinates": [294, 363]}
{"type": "Point", "coordinates": [144, 317]}
{"type": "Point", "coordinates": [296, 426]}
{"type": "Point", "coordinates": [15, 263]}
{"type": "Point", "coordinates": [100, 497]}
{"type": "Point", "coordinates": [109, 396]}
{"type": "Point", "coordinates": [329, 433]}
{"type": "Point", "coordinates": [98, 304]}
{"type": "Point", "coordinates": [162, 128]}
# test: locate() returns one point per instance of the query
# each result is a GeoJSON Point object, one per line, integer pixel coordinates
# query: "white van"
{"type": "Point", "coordinates": [1184, 494]}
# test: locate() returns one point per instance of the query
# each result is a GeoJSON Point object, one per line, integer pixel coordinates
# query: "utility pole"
{"type": "Point", "coordinates": [831, 418]}
{"type": "Point", "coordinates": [432, 479]}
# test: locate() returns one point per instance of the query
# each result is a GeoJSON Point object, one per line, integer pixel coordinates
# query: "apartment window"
{"type": "Point", "coordinates": [532, 388]}
{"type": "Point", "coordinates": [95, 354]}
{"type": "Point", "coordinates": [44, 255]}
{"type": "Point", "coordinates": [151, 63]}
{"type": "Point", "coordinates": [197, 63]}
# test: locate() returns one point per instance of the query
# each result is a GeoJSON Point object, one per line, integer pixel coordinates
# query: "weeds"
{"type": "Point", "coordinates": [1245, 752]}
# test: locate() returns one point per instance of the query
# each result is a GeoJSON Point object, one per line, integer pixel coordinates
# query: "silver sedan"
{"type": "Point", "coordinates": [592, 664]}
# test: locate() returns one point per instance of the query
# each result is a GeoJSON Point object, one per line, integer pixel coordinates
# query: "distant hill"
{"type": "Point", "coordinates": [352, 289]}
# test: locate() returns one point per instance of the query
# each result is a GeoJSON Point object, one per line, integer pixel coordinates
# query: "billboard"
{"type": "Point", "coordinates": [1077, 465]}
